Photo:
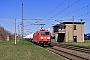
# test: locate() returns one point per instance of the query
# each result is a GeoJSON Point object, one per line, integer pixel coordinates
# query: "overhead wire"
{"type": "Point", "coordinates": [63, 10]}
{"type": "Point", "coordinates": [82, 15]}
{"type": "Point", "coordinates": [87, 12]}
{"type": "Point", "coordinates": [54, 9]}
{"type": "Point", "coordinates": [76, 11]}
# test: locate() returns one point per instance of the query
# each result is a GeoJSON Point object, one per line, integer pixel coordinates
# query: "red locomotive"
{"type": "Point", "coordinates": [42, 37]}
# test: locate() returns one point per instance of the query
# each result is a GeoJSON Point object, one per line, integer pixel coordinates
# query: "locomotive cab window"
{"type": "Point", "coordinates": [44, 33]}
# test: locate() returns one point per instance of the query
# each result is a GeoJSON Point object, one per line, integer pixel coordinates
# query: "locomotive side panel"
{"type": "Point", "coordinates": [35, 37]}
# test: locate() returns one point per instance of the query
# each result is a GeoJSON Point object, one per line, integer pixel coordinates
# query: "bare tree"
{"type": "Point", "coordinates": [4, 34]}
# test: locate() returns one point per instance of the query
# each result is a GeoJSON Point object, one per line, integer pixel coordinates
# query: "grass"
{"type": "Point", "coordinates": [24, 51]}
{"type": "Point", "coordinates": [86, 43]}
{"type": "Point", "coordinates": [53, 40]}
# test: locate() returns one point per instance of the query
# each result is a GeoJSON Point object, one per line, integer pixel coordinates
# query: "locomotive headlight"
{"type": "Point", "coordinates": [48, 37]}
{"type": "Point", "coordinates": [41, 37]}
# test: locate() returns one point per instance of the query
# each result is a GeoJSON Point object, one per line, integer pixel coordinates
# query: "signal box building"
{"type": "Point", "coordinates": [69, 32]}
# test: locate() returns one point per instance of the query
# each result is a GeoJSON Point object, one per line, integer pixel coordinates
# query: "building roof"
{"type": "Point", "coordinates": [63, 23]}
{"type": "Point", "coordinates": [73, 22]}
{"type": "Point", "coordinates": [59, 25]}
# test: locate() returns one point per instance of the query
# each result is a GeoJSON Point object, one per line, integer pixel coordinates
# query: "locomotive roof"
{"type": "Point", "coordinates": [43, 30]}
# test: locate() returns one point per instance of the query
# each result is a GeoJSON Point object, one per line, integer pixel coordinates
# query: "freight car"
{"type": "Point", "coordinates": [42, 37]}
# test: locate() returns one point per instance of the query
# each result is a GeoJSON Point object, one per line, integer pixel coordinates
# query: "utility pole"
{"type": "Point", "coordinates": [81, 28]}
{"type": "Point", "coordinates": [15, 31]}
{"type": "Point", "coordinates": [73, 28]}
{"type": "Point", "coordinates": [68, 36]}
{"type": "Point", "coordinates": [18, 33]}
{"type": "Point", "coordinates": [22, 25]}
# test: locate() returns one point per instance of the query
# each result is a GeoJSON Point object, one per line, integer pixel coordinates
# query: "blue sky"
{"type": "Point", "coordinates": [47, 10]}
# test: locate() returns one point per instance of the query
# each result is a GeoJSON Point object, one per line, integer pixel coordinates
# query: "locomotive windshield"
{"type": "Point", "coordinates": [44, 33]}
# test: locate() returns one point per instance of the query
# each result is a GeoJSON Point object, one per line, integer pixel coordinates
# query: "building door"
{"type": "Point", "coordinates": [61, 37]}
{"type": "Point", "coordinates": [75, 38]}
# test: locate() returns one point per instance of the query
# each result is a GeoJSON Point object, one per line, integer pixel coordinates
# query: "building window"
{"type": "Point", "coordinates": [74, 27]}
{"type": "Point", "coordinates": [62, 27]}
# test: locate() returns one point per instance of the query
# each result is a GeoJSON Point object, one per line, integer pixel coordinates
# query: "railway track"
{"type": "Point", "coordinates": [69, 54]}
{"type": "Point", "coordinates": [76, 48]}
